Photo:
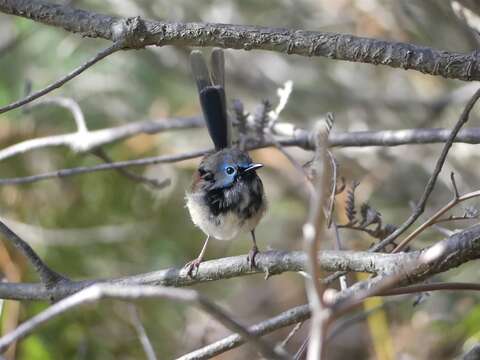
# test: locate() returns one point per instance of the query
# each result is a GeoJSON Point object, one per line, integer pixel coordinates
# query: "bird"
{"type": "Point", "coordinates": [226, 196]}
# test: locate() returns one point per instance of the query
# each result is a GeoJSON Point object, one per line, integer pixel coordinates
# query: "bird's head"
{"type": "Point", "coordinates": [224, 168]}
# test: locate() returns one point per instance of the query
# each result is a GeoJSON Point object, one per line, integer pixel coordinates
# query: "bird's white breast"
{"type": "Point", "coordinates": [222, 227]}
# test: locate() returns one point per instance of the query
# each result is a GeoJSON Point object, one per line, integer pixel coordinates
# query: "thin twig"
{"type": "Point", "coordinates": [68, 103]}
{"type": "Point", "coordinates": [141, 333]}
{"type": "Point", "coordinates": [102, 167]}
{"type": "Point", "coordinates": [437, 286]}
{"type": "Point", "coordinates": [101, 55]}
{"type": "Point", "coordinates": [348, 322]}
{"type": "Point", "coordinates": [435, 218]}
{"type": "Point", "coordinates": [338, 246]}
{"type": "Point", "coordinates": [283, 94]}
{"type": "Point", "coordinates": [154, 183]}
{"type": "Point", "coordinates": [331, 203]}
{"type": "Point", "coordinates": [456, 218]}
{"type": "Point", "coordinates": [420, 207]}
{"type": "Point", "coordinates": [81, 139]}
{"type": "Point", "coordinates": [291, 334]}
{"type": "Point", "coordinates": [300, 354]}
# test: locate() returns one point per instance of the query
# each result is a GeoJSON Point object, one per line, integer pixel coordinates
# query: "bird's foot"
{"type": "Point", "coordinates": [192, 267]}
{"type": "Point", "coordinates": [251, 257]}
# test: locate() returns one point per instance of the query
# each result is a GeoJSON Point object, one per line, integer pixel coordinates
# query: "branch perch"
{"type": "Point", "coordinates": [463, 246]}
{"type": "Point", "coordinates": [269, 262]}
{"type": "Point", "coordinates": [140, 33]}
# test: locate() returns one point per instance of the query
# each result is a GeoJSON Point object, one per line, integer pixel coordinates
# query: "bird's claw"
{"type": "Point", "coordinates": [192, 266]}
{"type": "Point", "coordinates": [251, 257]}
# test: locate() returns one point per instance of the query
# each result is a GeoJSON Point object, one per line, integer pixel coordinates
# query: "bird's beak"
{"type": "Point", "coordinates": [253, 167]}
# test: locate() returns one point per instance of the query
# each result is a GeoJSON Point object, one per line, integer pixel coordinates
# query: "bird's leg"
{"type": "Point", "coordinates": [194, 264]}
{"type": "Point", "coordinates": [253, 251]}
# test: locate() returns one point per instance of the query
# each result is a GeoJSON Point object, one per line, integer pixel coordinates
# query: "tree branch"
{"type": "Point", "coordinates": [420, 206]}
{"type": "Point", "coordinates": [48, 277]}
{"type": "Point", "coordinates": [107, 291]}
{"type": "Point", "coordinates": [459, 248]}
{"type": "Point", "coordinates": [154, 183]}
{"type": "Point", "coordinates": [97, 138]}
{"type": "Point", "coordinates": [302, 313]}
{"type": "Point", "coordinates": [102, 167]}
{"type": "Point", "coordinates": [141, 33]}
{"type": "Point", "coordinates": [435, 217]}
{"type": "Point", "coordinates": [420, 265]}
{"type": "Point", "coordinates": [286, 318]}
{"type": "Point", "coordinates": [300, 138]}
{"type": "Point", "coordinates": [269, 262]}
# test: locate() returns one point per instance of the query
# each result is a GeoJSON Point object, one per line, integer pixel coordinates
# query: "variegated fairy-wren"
{"type": "Point", "coordinates": [226, 196]}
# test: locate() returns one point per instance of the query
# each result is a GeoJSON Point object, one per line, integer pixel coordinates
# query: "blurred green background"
{"type": "Point", "coordinates": [104, 225]}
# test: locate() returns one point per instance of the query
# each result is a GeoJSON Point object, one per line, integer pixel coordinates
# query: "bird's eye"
{"type": "Point", "coordinates": [230, 170]}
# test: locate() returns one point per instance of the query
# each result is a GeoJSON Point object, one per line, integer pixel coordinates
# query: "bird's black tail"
{"type": "Point", "coordinates": [211, 90]}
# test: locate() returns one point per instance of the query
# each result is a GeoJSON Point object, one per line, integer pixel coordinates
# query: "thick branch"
{"type": "Point", "coordinates": [458, 249]}
{"type": "Point", "coordinates": [268, 262]}
{"type": "Point", "coordinates": [448, 254]}
{"type": "Point", "coordinates": [306, 43]}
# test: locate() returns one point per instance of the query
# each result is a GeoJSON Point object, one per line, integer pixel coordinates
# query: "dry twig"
{"type": "Point", "coordinates": [420, 207]}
